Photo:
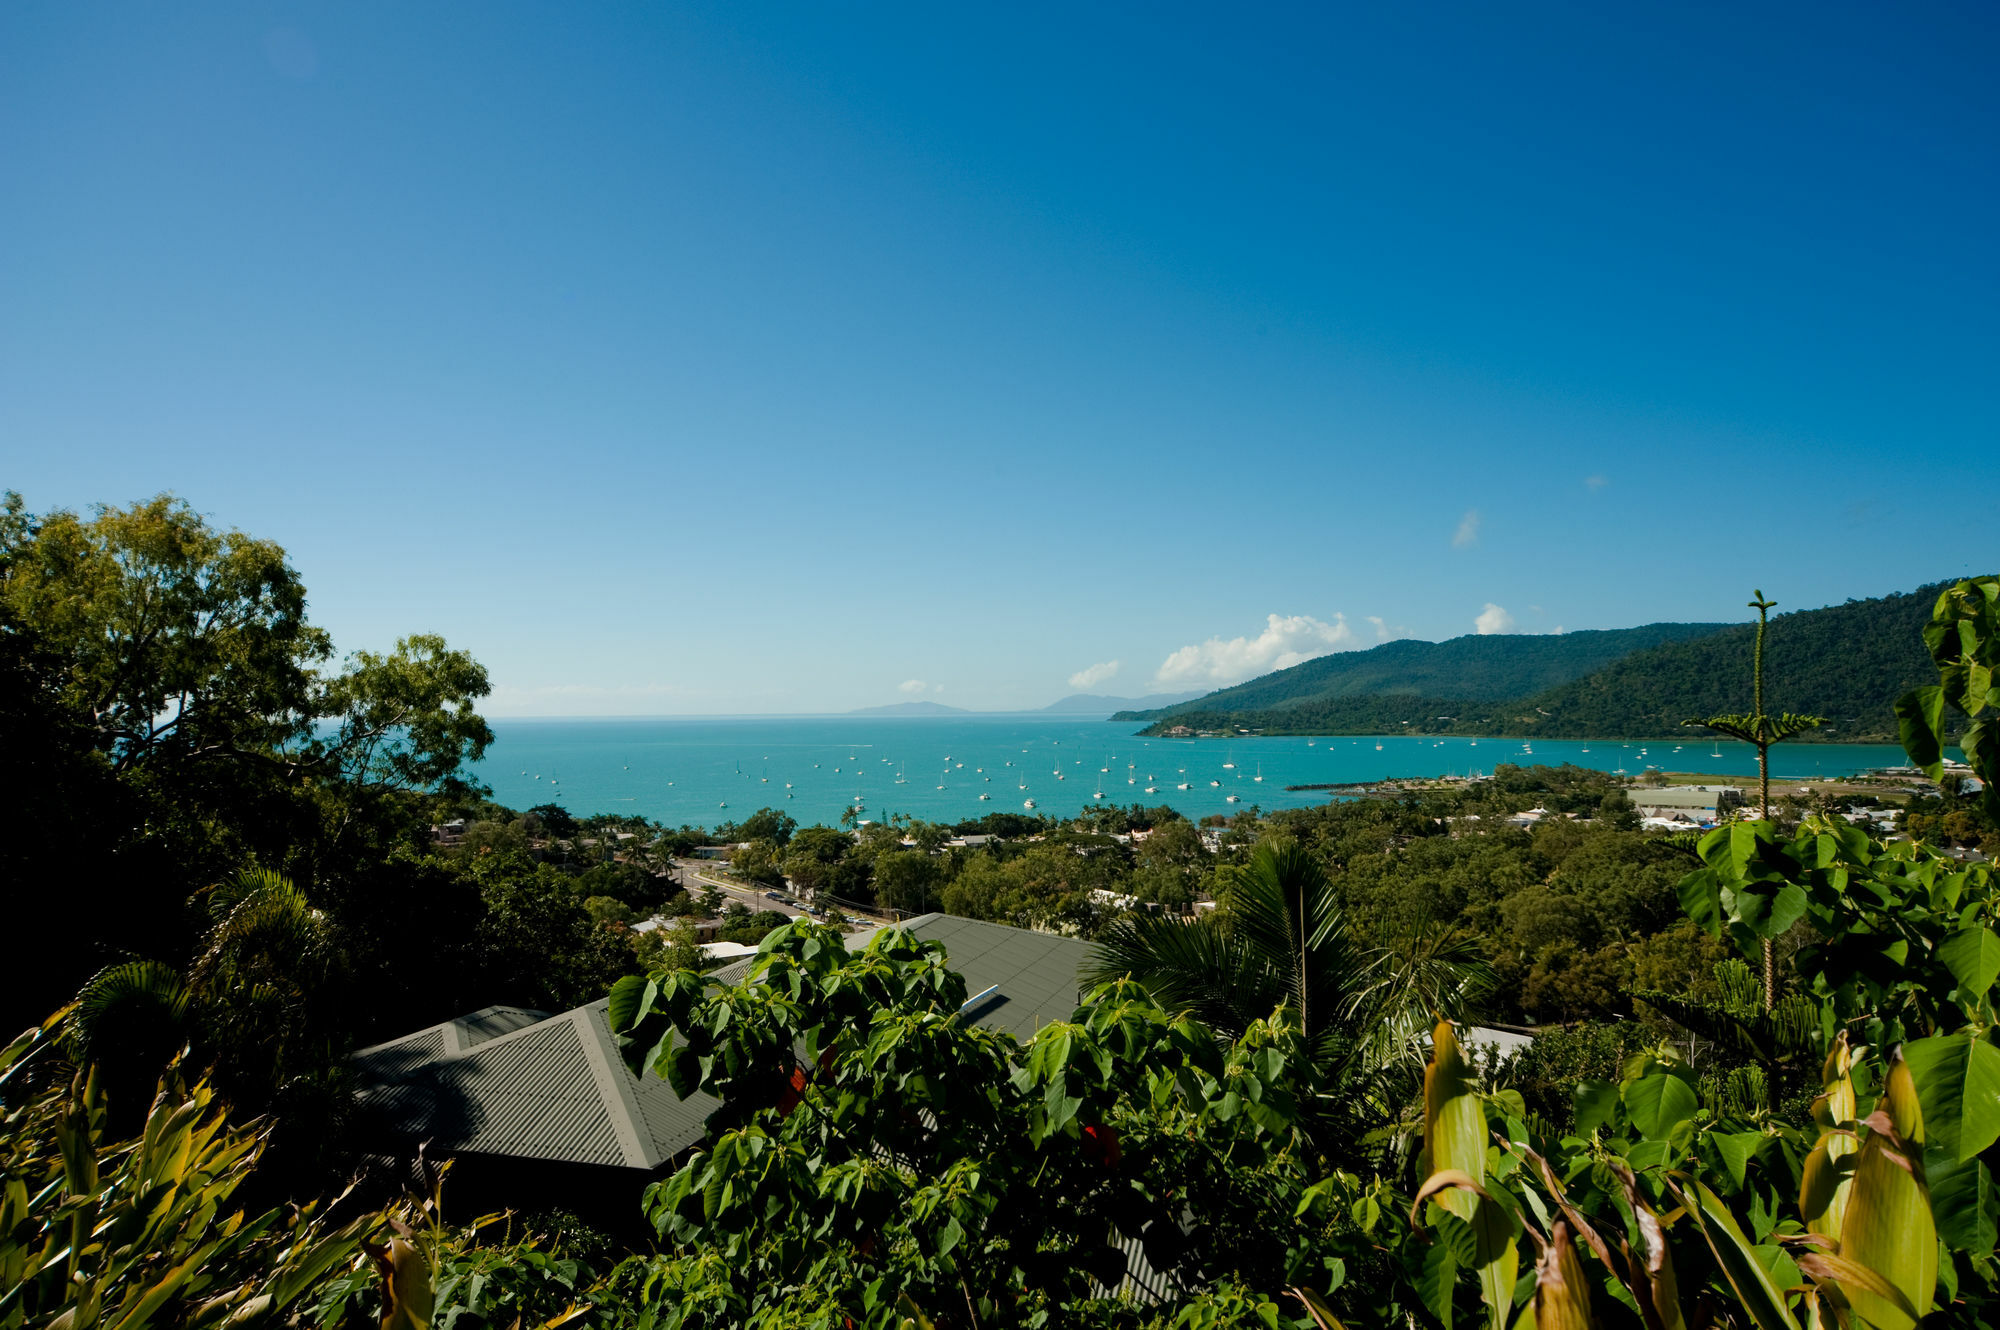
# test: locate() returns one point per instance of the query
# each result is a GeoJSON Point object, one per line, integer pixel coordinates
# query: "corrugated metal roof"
{"type": "Point", "coordinates": [492, 1022]}
{"type": "Point", "coordinates": [530, 1093]}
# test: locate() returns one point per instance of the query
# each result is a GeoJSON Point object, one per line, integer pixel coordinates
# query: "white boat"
{"type": "Point", "coordinates": [1027, 803]}
{"type": "Point", "coordinates": [1182, 786]}
{"type": "Point", "coordinates": [1214, 784]}
{"type": "Point", "coordinates": [1260, 772]}
{"type": "Point", "coordinates": [1229, 799]}
{"type": "Point", "coordinates": [1152, 789]}
{"type": "Point", "coordinates": [985, 796]}
{"type": "Point", "coordinates": [1378, 745]}
{"type": "Point", "coordinates": [723, 804]}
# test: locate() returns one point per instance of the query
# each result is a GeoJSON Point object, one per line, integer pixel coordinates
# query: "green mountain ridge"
{"type": "Point", "coordinates": [1847, 663]}
{"type": "Point", "coordinates": [1490, 668]}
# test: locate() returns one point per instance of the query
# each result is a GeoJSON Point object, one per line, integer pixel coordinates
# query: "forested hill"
{"type": "Point", "coordinates": [1491, 668]}
{"type": "Point", "coordinates": [1848, 663]}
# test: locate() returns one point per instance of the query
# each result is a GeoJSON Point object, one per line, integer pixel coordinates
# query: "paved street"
{"type": "Point", "coordinates": [694, 878]}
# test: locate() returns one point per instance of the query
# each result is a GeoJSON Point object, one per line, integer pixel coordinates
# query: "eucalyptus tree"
{"type": "Point", "coordinates": [173, 715]}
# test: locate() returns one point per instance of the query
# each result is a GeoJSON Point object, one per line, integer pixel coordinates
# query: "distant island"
{"type": "Point", "coordinates": [1076, 704]}
{"type": "Point", "coordinates": [910, 709]}
{"type": "Point", "coordinates": [1846, 663]}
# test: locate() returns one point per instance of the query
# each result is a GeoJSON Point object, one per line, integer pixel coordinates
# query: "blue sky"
{"type": "Point", "coordinates": [698, 359]}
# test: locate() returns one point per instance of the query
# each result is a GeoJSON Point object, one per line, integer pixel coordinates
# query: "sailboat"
{"type": "Point", "coordinates": [1260, 772]}
{"type": "Point", "coordinates": [1378, 745]}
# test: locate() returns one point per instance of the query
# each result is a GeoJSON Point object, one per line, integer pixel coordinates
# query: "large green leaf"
{"type": "Point", "coordinates": [1659, 1102]}
{"type": "Point", "coordinates": [1756, 1294]}
{"type": "Point", "coordinates": [1958, 1086]}
{"type": "Point", "coordinates": [1962, 1200]}
{"type": "Point", "coordinates": [1888, 1228]}
{"type": "Point", "coordinates": [1920, 726]}
{"type": "Point", "coordinates": [1973, 957]}
{"type": "Point", "coordinates": [1734, 1149]}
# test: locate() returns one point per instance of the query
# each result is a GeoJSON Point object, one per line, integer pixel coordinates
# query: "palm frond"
{"type": "Point", "coordinates": [1195, 965]}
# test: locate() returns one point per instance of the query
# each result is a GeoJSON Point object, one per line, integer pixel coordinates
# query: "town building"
{"type": "Point", "coordinates": [1694, 805]}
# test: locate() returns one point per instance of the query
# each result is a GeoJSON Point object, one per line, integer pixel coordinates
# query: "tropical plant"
{"type": "Point", "coordinates": [1762, 731]}
{"type": "Point", "coordinates": [881, 1158]}
{"type": "Point", "coordinates": [138, 1232]}
{"type": "Point", "coordinates": [254, 1008]}
{"type": "Point", "coordinates": [1964, 641]}
{"type": "Point", "coordinates": [1280, 942]}
{"type": "Point", "coordinates": [1683, 1212]}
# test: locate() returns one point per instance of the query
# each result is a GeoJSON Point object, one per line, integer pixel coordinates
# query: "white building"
{"type": "Point", "coordinates": [1695, 805]}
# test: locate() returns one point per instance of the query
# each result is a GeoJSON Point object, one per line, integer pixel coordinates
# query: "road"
{"type": "Point", "coordinates": [692, 877]}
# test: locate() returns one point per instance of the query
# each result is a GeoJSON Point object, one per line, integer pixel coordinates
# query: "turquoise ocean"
{"type": "Point", "coordinates": [704, 772]}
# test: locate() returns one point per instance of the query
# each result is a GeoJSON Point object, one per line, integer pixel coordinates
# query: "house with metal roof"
{"type": "Point", "coordinates": [537, 1108]}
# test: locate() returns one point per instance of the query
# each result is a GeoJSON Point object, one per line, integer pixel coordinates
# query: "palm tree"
{"type": "Point", "coordinates": [1282, 944]}
{"type": "Point", "coordinates": [258, 1006]}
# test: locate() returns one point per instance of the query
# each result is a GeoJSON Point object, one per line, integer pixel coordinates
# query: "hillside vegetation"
{"type": "Point", "coordinates": [1844, 662]}
{"type": "Point", "coordinates": [1489, 668]}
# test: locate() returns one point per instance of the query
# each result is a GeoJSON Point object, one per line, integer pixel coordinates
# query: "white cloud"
{"type": "Point", "coordinates": [911, 686]}
{"type": "Point", "coordinates": [1492, 620]}
{"type": "Point", "coordinates": [1468, 530]}
{"type": "Point", "coordinates": [1596, 482]}
{"type": "Point", "coordinates": [1092, 675]}
{"type": "Point", "coordinates": [1384, 630]}
{"type": "Point", "coordinates": [1285, 641]}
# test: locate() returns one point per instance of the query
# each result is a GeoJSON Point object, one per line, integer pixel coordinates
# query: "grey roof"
{"type": "Point", "coordinates": [1037, 974]}
{"type": "Point", "coordinates": [555, 1088]}
{"type": "Point", "coordinates": [1681, 796]}
{"type": "Point", "coordinates": [511, 1081]}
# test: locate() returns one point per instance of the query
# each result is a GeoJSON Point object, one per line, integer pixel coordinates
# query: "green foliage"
{"type": "Point", "coordinates": [169, 710]}
{"type": "Point", "coordinates": [1282, 944]}
{"type": "Point", "coordinates": [140, 1232]}
{"type": "Point", "coordinates": [1490, 668]}
{"type": "Point", "coordinates": [1963, 638]}
{"type": "Point", "coordinates": [875, 1148]}
{"type": "Point", "coordinates": [1845, 662]}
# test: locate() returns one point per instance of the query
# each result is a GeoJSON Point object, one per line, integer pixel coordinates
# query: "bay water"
{"type": "Point", "coordinates": [705, 772]}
